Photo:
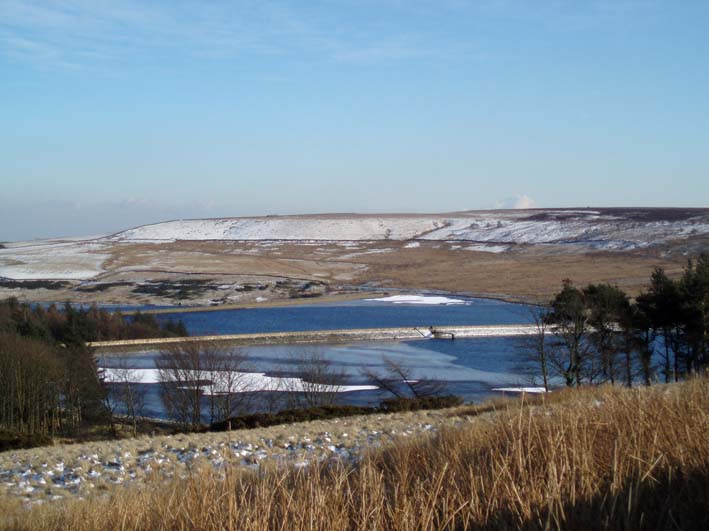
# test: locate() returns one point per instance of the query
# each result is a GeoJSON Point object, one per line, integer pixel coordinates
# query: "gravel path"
{"type": "Point", "coordinates": [78, 470]}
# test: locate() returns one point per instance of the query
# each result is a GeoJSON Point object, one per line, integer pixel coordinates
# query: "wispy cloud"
{"type": "Point", "coordinates": [101, 33]}
{"type": "Point", "coordinates": [97, 32]}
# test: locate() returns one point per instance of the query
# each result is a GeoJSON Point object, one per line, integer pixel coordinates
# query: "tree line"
{"type": "Point", "coordinates": [49, 382]}
{"type": "Point", "coordinates": [71, 325]}
{"type": "Point", "coordinates": [599, 334]}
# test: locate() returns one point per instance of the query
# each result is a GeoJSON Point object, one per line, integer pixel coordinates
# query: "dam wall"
{"type": "Point", "coordinates": [321, 336]}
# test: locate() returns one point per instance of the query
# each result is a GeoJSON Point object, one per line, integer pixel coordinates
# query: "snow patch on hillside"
{"type": "Point", "coordinates": [483, 231]}
{"type": "Point", "coordinates": [59, 261]}
{"type": "Point", "coordinates": [286, 228]}
{"type": "Point", "coordinates": [487, 248]}
{"type": "Point", "coordinates": [580, 228]}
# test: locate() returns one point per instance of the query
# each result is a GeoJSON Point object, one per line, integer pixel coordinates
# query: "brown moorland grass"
{"type": "Point", "coordinates": [526, 273]}
{"type": "Point", "coordinates": [595, 458]}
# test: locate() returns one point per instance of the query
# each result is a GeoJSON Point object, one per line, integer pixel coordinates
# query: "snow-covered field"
{"type": "Point", "coordinates": [590, 228]}
{"type": "Point", "coordinates": [354, 238]}
{"type": "Point", "coordinates": [287, 228]}
{"type": "Point", "coordinates": [53, 261]}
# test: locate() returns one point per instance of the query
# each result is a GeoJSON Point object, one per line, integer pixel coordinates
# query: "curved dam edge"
{"type": "Point", "coordinates": [323, 336]}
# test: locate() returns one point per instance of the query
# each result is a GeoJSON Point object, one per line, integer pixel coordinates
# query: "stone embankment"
{"type": "Point", "coordinates": [324, 336]}
{"type": "Point", "coordinates": [79, 470]}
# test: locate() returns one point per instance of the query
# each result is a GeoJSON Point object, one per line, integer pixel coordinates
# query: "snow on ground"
{"type": "Point", "coordinates": [230, 382]}
{"type": "Point", "coordinates": [350, 256]}
{"type": "Point", "coordinates": [600, 234]}
{"type": "Point", "coordinates": [580, 227]}
{"type": "Point", "coordinates": [419, 299]}
{"type": "Point", "coordinates": [287, 228]}
{"type": "Point", "coordinates": [520, 389]}
{"type": "Point", "coordinates": [63, 472]}
{"type": "Point", "coordinates": [487, 248]}
{"type": "Point", "coordinates": [486, 231]}
{"type": "Point", "coordinates": [55, 261]}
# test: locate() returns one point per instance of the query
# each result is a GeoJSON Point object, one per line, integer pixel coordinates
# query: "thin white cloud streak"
{"type": "Point", "coordinates": [55, 32]}
{"type": "Point", "coordinates": [103, 34]}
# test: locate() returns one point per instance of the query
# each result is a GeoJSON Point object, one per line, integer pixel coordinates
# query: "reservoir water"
{"type": "Point", "coordinates": [470, 368]}
{"type": "Point", "coordinates": [353, 314]}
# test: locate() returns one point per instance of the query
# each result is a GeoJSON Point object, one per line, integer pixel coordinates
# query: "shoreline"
{"type": "Point", "coordinates": [333, 298]}
{"type": "Point", "coordinates": [284, 303]}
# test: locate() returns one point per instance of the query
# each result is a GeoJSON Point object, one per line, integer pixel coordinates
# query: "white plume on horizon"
{"type": "Point", "coordinates": [524, 201]}
{"type": "Point", "coordinates": [517, 202]}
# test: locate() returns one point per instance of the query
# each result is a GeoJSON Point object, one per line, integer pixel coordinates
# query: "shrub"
{"type": "Point", "coordinates": [11, 440]}
{"type": "Point", "coordinates": [289, 416]}
{"type": "Point", "coordinates": [425, 402]}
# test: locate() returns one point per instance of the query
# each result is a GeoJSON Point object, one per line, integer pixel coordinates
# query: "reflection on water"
{"type": "Point", "coordinates": [471, 368]}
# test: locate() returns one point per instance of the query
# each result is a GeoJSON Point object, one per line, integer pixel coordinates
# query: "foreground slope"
{"type": "Point", "coordinates": [247, 260]}
{"type": "Point", "coordinates": [596, 458]}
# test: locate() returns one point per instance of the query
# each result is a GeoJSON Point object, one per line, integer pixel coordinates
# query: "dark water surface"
{"type": "Point", "coordinates": [353, 314]}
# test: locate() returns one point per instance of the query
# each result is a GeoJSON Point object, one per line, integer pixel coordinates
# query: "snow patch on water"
{"type": "Point", "coordinates": [419, 299]}
{"type": "Point", "coordinates": [233, 382]}
{"type": "Point", "coordinates": [533, 390]}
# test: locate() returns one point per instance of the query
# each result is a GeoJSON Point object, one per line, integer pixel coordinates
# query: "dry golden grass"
{"type": "Point", "coordinates": [595, 458]}
{"type": "Point", "coordinates": [526, 273]}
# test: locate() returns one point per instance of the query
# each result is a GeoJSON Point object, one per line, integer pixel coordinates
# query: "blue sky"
{"type": "Point", "coordinates": [114, 114]}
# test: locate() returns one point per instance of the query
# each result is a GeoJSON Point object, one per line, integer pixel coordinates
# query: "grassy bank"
{"type": "Point", "coordinates": [278, 303]}
{"type": "Point", "coordinates": [594, 458]}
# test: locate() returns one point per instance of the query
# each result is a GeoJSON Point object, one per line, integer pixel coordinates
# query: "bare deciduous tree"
{"type": "Point", "coordinates": [318, 383]}
{"type": "Point", "coordinates": [182, 370]}
{"type": "Point", "coordinates": [536, 346]}
{"type": "Point", "coordinates": [191, 370]}
{"type": "Point", "coordinates": [229, 386]}
{"type": "Point", "coordinates": [401, 381]}
{"type": "Point", "coordinates": [124, 391]}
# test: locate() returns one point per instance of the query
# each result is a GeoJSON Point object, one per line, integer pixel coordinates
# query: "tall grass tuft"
{"type": "Point", "coordinates": [594, 458]}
